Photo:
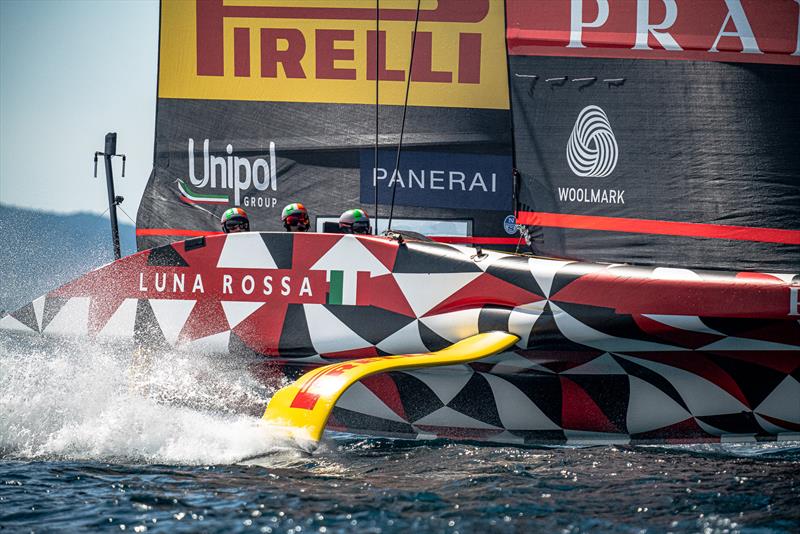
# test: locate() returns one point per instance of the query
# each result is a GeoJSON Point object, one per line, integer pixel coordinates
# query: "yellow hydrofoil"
{"type": "Point", "coordinates": [302, 408]}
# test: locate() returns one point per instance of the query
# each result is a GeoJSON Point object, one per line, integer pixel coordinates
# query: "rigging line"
{"type": "Point", "coordinates": [519, 242]}
{"type": "Point", "coordinates": [403, 122]}
{"type": "Point", "coordinates": [126, 214]}
{"type": "Point", "coordinates": [201, 208]}
{"type": "Point", "coordinates": [377, 104]}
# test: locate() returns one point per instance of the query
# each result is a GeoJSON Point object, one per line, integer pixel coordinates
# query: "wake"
{"type": "Point", "coordinates": [62, 400]}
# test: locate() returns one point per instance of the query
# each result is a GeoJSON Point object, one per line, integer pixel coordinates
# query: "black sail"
{"type": "Point", "coordinates": [660, 132]}
{"type": "Point", "coordinates": [679, 149]}
{"type": "Point", "coordinates": [278, 105]}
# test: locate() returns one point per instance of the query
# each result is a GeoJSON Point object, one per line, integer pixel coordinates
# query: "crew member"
{"type": "Point", "coordinates": [355, 221]}
{"type": "Point", "coordinates": [295, 218]}
{"type": "Point", "coordinates": [235, 220]}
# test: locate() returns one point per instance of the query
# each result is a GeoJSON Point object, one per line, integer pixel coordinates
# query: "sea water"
{"type": "Point", "coordinates": [91, 438]}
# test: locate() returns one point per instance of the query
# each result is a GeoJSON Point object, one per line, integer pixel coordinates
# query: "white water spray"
{"type": "Point", "coordinates": [89, 402]}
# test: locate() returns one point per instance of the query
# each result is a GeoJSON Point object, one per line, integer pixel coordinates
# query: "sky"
{"type": "Point", "coordinates": [71, 71]}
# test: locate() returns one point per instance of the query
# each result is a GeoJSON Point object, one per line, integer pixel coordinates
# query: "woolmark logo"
{"type": "Point", "coordinates": [592, 149]}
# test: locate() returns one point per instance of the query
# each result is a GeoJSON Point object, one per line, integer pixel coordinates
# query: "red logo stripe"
{"type": "Point", "coordinates": [440, 239]}
{"type": "Point", "coordinates": [174, 231]}
{"type": "Point", "coordinates": [649, 226]}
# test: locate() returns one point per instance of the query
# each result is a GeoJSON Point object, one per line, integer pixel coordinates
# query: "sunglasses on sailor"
{"type": "Point", "coordinates": [236, 226]}
{"type": "Point", "coordinates": [296, 220]}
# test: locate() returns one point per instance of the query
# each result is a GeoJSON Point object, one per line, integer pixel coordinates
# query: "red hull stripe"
{"type": "Point", "coordinates": [440, 239]}
{"type": "Point", "coordinates": [648, 226]}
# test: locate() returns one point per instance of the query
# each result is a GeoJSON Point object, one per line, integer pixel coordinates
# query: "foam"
{"type": "Point", "coordinates": [88, 402]}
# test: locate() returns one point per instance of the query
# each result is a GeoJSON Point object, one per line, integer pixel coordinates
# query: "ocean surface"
{"type": "Point", "coordinates": [88, 443]}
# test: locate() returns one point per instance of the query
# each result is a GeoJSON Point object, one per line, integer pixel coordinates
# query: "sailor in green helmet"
{"type": "Point", "coordinates": [235, 220]}
{"type": "Point", "coordinates": [295, 218]}
{"type": "Point", "coordinates": [355, 221]}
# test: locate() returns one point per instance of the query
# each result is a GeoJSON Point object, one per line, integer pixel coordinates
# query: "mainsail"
{"type": "Point", "coordinates": [660, 132]}
{"type": "Point", "coordinates": [656, 132]}
{"type": "Point", "coordinates": [262, 104]}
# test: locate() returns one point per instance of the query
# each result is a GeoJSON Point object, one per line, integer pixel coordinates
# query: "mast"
{"type": "Point", "coordinates": [113, 200]}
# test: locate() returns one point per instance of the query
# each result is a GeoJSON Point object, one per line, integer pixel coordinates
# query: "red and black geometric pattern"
{"type": "Point", "coordinates": [606, 352]}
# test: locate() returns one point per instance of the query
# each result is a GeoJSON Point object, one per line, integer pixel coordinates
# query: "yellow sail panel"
{"type": "Point", "coordinates": [327, 52]}
{"type": "Point", "coordinates": [303, 407]}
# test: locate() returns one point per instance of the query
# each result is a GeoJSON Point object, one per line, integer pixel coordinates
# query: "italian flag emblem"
{"type": "Point", "coordinates": [191, 197]}
{"type": "Point", "coordinates": [342, 287]}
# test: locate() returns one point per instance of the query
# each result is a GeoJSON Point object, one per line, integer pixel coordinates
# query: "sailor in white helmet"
{"type": "Point", "coordinates": [295, 218]}
{"type": "Point", "coordinates": [355, 221]}
{"type": "Point", "coordinates": [235, 220]}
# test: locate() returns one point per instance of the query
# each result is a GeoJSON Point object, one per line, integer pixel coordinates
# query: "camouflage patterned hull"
{"type": "Point", "coordinates": [606, 352]}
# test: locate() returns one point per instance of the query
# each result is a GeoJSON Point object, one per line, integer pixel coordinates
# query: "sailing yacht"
{"type": "Point", "coordinates": [603, 199]}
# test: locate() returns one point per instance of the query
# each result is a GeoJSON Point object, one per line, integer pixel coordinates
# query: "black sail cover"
{"type": "Point", "coordinates": [265, 103]}
{"type": "Point", "coordinates": [659, 131]}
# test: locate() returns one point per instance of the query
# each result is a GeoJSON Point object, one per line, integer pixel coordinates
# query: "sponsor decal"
{"type": "Point", "coordinates": [592, 149]}
{"type": "Point", "coordinates": [191, 197]}
{"type": "Point", "coordinates": [591, 196]}
{"type": "Point", "coordinates": [236, 285]}
{"type": "Point", "coordinates": [332, 378]}
{"type": "Point", "coordinates": [290, 51]}
{"type": "Point", "coordinates": [164, 283]}
{"type": "Point", "coordinates": [510, 225]}
{"type": "Point", "coordinates": [438, 180]}
{"type": "Point", "coordinates": [592, 152]}
{"type": "Point", "coordinates": [759, 31]}
{"type": "Point", "coordinates": [229, 172]}
{"type": "Point", "coordinates": [270, 285]}
{"type": "Point", "coordinates": [794, 301]}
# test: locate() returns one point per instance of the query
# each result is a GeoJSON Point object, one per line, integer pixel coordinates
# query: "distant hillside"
{"type": "Point", "coordinates": [40, 251]}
